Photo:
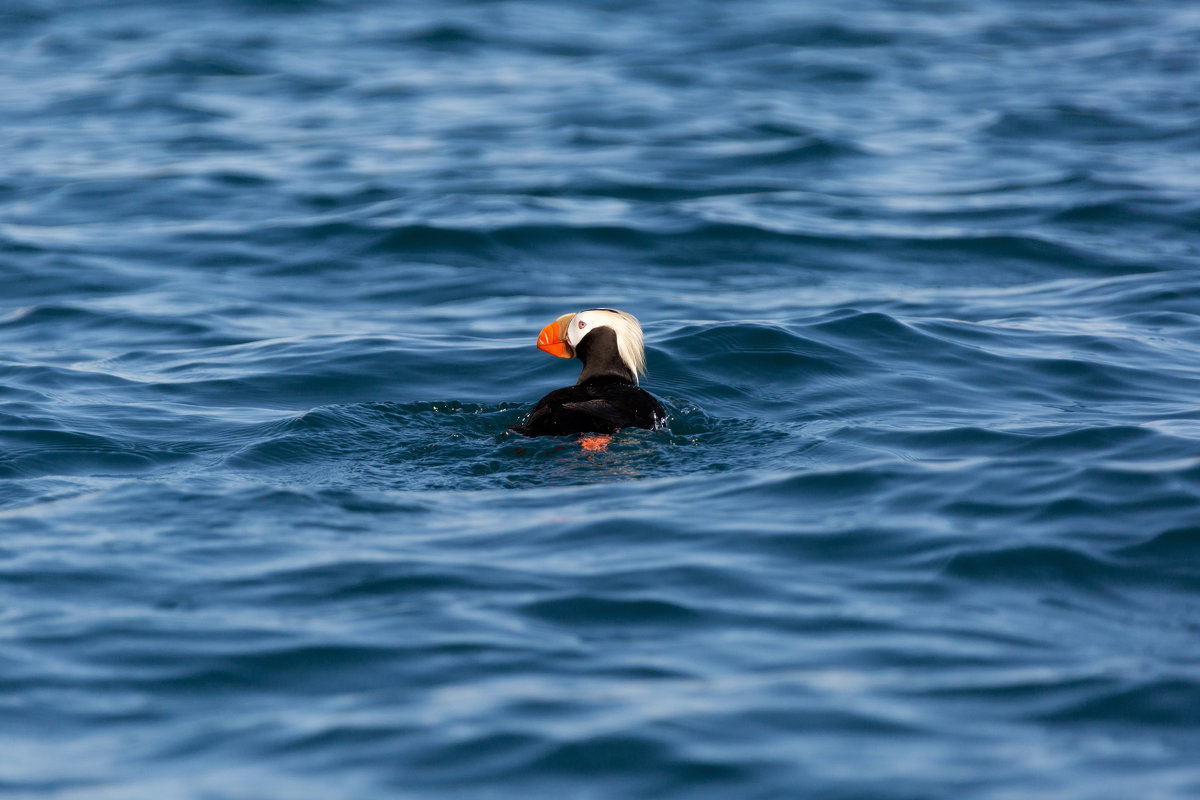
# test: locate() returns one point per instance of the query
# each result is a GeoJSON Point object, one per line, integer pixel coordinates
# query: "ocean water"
{"type": "Point", "coordinates": [920, 283]}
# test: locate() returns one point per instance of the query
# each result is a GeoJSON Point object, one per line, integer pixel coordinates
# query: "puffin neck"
{"type": "Point", "coordinates": [600, 356]}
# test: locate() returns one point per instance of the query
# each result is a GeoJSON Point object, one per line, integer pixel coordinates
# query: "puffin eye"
{"type": "Point", "coordinates": [582, 324]}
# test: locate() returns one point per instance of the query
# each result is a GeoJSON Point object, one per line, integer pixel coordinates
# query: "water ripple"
{"type": "Point", "coordinates": [919, 289]}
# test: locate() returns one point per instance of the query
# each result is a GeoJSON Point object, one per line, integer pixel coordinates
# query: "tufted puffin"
{"type": "Point", "coordinates": [606, 397]}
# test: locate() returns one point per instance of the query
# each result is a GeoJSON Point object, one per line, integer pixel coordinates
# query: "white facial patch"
{"type": "Point", "coordinates": [625, 326]}
{"type": "Point", "coordinates": [579, 325]}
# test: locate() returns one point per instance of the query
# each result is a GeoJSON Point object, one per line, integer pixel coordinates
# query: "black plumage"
{"type": "Point", "coordinates": [605, 399]}
{"type": "Point", "coordinates": [600, 405]}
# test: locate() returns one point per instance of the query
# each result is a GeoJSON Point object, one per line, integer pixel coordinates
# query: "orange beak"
{"type": "Point", "coordinates": [553, 338]}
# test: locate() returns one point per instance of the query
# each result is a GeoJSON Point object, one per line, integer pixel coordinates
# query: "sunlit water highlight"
{"type": "Point", "coordinates": [921, 290]}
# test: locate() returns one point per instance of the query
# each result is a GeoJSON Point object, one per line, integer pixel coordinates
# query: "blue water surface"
{"type": "Point", "coordinates": [920, 283]}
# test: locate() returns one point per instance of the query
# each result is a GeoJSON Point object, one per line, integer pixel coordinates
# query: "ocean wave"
{"type": "Point", "coordinates": [920, 298]}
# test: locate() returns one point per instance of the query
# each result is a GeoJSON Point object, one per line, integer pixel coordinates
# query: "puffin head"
{"type": "Point", "coordinates": [607, 341]}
